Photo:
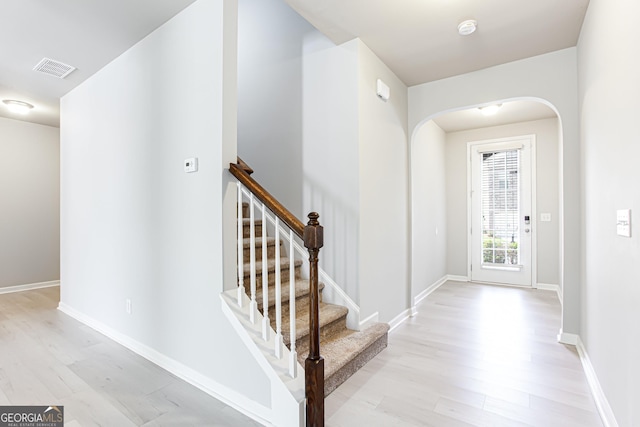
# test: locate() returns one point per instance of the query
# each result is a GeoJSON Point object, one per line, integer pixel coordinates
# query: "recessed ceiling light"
{"type": "Point", "coordinates": [490, 110]}
{"type": "Point", "coordinates": [467, 27]}
{"type": "Point", "coordinates": [19, 107]}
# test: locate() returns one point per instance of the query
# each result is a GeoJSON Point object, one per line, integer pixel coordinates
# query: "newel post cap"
{"type": "Point", "coordinates": [313, 232]}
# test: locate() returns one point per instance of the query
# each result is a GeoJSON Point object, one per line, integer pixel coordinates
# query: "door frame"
{"type": "Point", "coordinates": [534, 212]}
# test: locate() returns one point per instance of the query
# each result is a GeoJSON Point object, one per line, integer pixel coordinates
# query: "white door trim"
{"type": "Point", "coordinates": [534, 211]}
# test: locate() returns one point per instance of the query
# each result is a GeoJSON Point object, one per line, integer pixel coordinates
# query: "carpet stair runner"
{"type": "Point", "coordinates": [344, 350]}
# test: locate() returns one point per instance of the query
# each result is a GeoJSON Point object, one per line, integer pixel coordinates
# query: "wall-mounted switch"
{"type": "Point", "coordinates": [623, 222]}
{"type": "Point", "coordinates": [191, 165]}
{"type": "Point", "coordinates": [545, 217]}
{"type": "Point", "coordinates": [128, 305]}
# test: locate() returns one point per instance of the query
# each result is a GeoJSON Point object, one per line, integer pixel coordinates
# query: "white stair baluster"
{"type": "Point", "coordinates": [253, 306]}
{"type": "Point", "coordinates": [278, 298]}
{"type": "Point", "coordinates": [293, 357]}
{"type": "Point", "coordinates": [240, 247]}
{"type": "Point", "coordinates": [266, 326]}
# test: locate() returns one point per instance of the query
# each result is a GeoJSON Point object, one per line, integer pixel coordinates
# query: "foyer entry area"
{"type": "Point", "coordinates": [476, 355]}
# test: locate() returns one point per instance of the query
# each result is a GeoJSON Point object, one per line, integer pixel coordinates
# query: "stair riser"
{"type": "Point", "coordinates": [302, 344]}
{"type": "Point", "coordinates": [245, 210]}
{"type": "Point", "coordinates": [340, 376]}
{"type": "Point", "coordinates": [302, 301]}
{"type": "Point", "coordinates": [284, 276]}
{"type": "Point", "coordinates": [246, 229]}
{"type": "Point", "coordinates": [271, 252]}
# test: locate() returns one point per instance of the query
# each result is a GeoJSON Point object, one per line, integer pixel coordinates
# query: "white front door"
{"type": "Point", "coordinates": [502, 219]}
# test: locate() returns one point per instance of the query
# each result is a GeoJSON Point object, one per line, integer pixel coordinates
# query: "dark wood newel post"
{"type": "Point", "coordinates": [314, 365]}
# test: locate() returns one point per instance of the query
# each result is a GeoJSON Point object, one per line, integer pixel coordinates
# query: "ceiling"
{"type": "Point", "coordinates": [509, 112]}
{"type": "Point", "coordinates": [87, 34]}
{"type": "Point", "coordinates": [417, 39]}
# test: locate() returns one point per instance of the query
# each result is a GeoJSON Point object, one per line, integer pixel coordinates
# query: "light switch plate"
{"type": "Point", "coordinates": [545, 217]}
{"type": "Point", "coordinates": [191, 165]}
{"type": "Point", "coordinates": [623, 222]}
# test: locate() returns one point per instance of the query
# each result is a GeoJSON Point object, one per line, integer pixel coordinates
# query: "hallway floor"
{"type": "Point", "coordinates": [474, 355]}
{"type": "Point", "coordinates": [48, 358]}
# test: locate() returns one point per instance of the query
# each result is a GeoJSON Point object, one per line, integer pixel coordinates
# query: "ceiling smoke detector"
{"type": "Point", "coordinates": [54, 68]}
{"type": "Point", "coordinates": [467, 27]}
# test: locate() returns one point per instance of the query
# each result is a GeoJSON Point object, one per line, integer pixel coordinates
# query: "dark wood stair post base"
{"type": "Point", "coordinates": [314, 389]}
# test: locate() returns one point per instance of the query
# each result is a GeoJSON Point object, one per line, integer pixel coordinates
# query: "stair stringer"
{"type": "Point", "coordinates": [287, 394]}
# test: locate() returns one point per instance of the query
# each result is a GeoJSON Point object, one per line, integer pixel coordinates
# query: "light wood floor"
{"type": "Point", "coordinates": [474, 355]}
{"type": "Point", "coordinates": [48, 358]}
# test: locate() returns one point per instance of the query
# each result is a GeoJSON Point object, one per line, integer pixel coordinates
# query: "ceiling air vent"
{"type": "Point", "coordinates": [54, 68]}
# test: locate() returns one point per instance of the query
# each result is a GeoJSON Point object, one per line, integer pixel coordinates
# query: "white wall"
{"type": "Point", "coordinates": [609, 93]}
{"type": "Point", "coordinates": [134, 225]}
{"type": "Point", "coordinates": [430, 212]}
{"type": "Point", "coordinates": [330, 154]}
{"type": "Point", "coordinates": [29, 203]}
{"type": "Point", "coordinates": [270, 48]}
{"type": "Point", "coordinates": [547, 186]}
{"type": "Point", "coordinates": [383, 182]}
{"type": "Point", "coordinates": [551, 77]}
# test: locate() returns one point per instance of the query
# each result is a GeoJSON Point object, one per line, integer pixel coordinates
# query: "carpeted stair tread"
{"type": "Point", "coordinates": [329, 314]}
{"type": "Point", "coordinates": [246, 227]}
{"type": "Point", "coordinates": [246, 242]}
{"type": "Point", "coordinates": [344, 347]}
{"type": "Point", "coordinates": [271, 266]}
{"type": "Point", "coordinates": [302, 289]}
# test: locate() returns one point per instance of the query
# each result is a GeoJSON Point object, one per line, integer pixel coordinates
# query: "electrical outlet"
{"type": "Point", "coordinates": [128, 306]}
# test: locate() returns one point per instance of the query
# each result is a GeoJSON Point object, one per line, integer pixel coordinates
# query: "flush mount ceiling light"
{"type": "Point", "coordinates": [490, 110]}
{"type": "Point", "coordinates": [19, 107]}
{"type": "Point", "coordinates": [467, 27]}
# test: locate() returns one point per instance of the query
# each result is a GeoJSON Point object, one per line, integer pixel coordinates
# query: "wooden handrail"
{"type": "Point", "coordinates": [245, 166]}
{"type": "Point", "coordinates": [313, 235]}
{"type": "Point", "coordinates": [240, 172]}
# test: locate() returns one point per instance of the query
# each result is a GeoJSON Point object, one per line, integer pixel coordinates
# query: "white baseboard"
{"type": "Point", "coordinates": [551, 287]}
{"type": "Point", "coordinates": [397, 321]}
{"type": "Point", "coordinates": [413, 310]}
{"type": "Point", "coordinates": [604, 409]}
{"type": "Point", "coordinates": [29, 287]}
{"type": "Point", "coordinates": [227, 396]}
{"type": "Point", "coordinates": [364, 324]}
{"type": "Point", "coordinates": [422, 295]}
{"type": "Point", "coordinates": [454, 278]}
{"type": "Point", "coordinates": [567, 338]}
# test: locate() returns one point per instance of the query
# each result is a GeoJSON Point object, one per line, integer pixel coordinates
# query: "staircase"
{"type": "Point", "coordinates": [344, 350]}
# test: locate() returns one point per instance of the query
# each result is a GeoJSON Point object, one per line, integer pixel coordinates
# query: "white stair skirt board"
{"type": "Point", "coordinates": [227, 396]}
{"type": "Point", "coordinates": [369, 321]}
{"type": "Point", "coordinates": [287, 394]}
{"type": "Point", "coordinates": [604, 409]}
{"type": "Point", "coordinates": [29, 287]}
{"type": "Point", "coordinates": [550, 287]}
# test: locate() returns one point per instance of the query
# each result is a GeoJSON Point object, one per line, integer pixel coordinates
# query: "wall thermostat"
{"type": "Point", "coordinates": [191, 165]}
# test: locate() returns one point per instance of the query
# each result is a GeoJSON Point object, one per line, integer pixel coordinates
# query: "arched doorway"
{"type": "Point", "coordinates": [439, 190]}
